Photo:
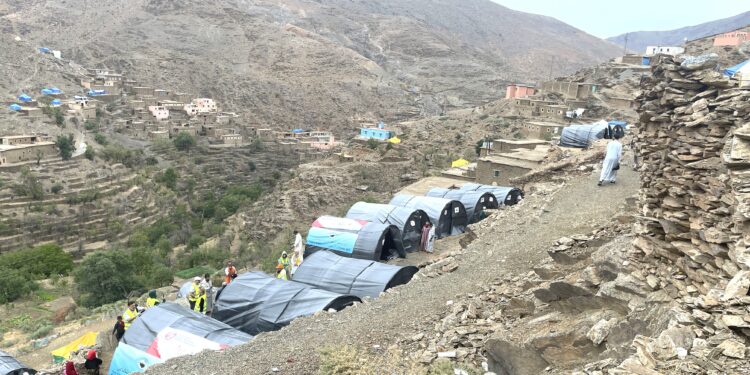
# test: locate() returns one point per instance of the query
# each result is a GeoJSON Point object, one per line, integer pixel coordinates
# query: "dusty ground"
{"type": "Point", "coordinates": [519, 238]}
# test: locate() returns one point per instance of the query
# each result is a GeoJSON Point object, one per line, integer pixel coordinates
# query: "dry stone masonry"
{"type": "Point", "coordinates": [694, 140]}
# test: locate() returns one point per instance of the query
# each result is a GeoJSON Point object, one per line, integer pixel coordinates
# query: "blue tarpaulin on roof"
{"type": "Point", "coordinates": [47, 92]}
{"type": "Point", "coordinates": [96, 92]}
{"type": "Point", "coordinates": [731, 71]}
{"type": "Point", "coordinates": [15, 107]}
{"type": "Point", "coordinates": [56, 102]}
{"type": "Point", "coordinates": [24, 98]}
{"type": "Point", "coordinates": [44, 49]}
{"type": "Point", "coordinates": [55, 90]}
{"type": "Point", "coordinates": [298, 130]}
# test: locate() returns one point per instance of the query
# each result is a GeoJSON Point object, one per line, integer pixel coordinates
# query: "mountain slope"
{"type": "Point", "coordinates": [637, 41]}
{"type": "Point", "coordinates": [305, 63]}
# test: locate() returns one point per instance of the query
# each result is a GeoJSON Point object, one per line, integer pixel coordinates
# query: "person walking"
{"type": "Point", "coordinates": [130, 314]}
{"type": "Point", "coordinates": [92, 363]}
{"type": "Point", "coordinates": [285, 262]}
{"type": "Point", "coordinates": [229, 273]}
{"type": "Point", "coordinates": [425, 235]}
{"type": "Point", "coordinates": [430, 239]}
{"type": "Point", "coordinates": [611, 162]}
{"type": "Point", "coordinates": [208, 287]}
{"type": "Point", "coordinates": [119, 329]}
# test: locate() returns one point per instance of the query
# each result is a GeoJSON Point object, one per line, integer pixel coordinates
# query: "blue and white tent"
{"type": "Point", "coordinates": [733, 70]}
{"type": "Point", "coordinates": [582, 136]}
{"type": "Point", "coordinates": [25, 98]}
{"type": "Point", "coordinates": [15, 107]}
{"type": "Point", "coordinates": [296, 131]}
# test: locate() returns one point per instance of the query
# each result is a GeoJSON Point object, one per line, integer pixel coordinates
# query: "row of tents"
{"type": "Point", "coordinates": [375, 231]}
{"type": "Point", "coordinates": [253, 303]}
{"type": "Point", "coordinates": [11, 366]}
{"type": "Point", "coordinates": [582, 136]}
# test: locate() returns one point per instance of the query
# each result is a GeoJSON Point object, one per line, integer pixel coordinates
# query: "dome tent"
{"type": "Point", "coordinates": [256, 302]}
{"type": "Point", "coordinates": [355, 238]}
{"type": "Point", "coordinates": [11, 366]}
{"type": "Point", "coordinates": [475, 202]}
{"type": "Point", "coordinates": [409, 221]}
{"type": "Point", "coordinates": [448, 216]}
{"type": "Point", "coordinates": [168, 331]}
{"type": "Point", "coordinates": [362, 278]}
{"type": "Point", "coordinates": [505, 195]}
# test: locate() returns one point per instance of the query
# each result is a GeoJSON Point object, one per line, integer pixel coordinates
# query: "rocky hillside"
{"type": "Point", "coordinates": [637, 41]}
{"type": "Point", "coordinates": [313, 63]}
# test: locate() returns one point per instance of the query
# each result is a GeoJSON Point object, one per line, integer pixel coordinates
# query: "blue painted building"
{"type": "Point", "coordinates": [375, 133]}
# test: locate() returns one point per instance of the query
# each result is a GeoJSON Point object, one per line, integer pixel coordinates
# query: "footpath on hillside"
{"type": "Point", "coordinates": [512, 240]}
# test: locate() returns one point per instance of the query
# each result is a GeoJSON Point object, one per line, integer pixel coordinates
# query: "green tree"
{"type": "Point", "coordinates": [41, 261]}
{"type": "Point", "coordinates": [56, 188]}
{"type": "Point", "coordinates": [168, 178]}
{"type": "Point", "coordinates": [65, 145]}
{"type": "Point", "coordinates": [105, 277]}
{"type": "Point", "coordinates": [184, 141]}
{"type": "Point", "coordinates": [14, 284]}
{"type": "Point", "coordinates": [89, 153]}
{"type": "Point", "coordinates": [100, 139]}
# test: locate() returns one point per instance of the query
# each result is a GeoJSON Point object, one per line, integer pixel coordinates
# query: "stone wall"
{"type": "Point", "coordinates": [694, 142]}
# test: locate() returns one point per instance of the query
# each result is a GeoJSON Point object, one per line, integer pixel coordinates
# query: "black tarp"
{"type": "Point", "coordinates": [448, 216]}
{"type": "Point", "coordinates": [355, 238]}
{"type": "Point", "coordinates": [475, 202]}
{"type": "Point", "coordinates": [358, 277]}
{"type": "Point", "coordinates": [507, 196]}
{"type": "Point", "coordinates": [11, 366]}
{"type": "Point", "coordinates": [256, 302]}
{"type": "Point", "coordinates": [146, 327]}
{"type": "Point", "coordinates": [408, 220]}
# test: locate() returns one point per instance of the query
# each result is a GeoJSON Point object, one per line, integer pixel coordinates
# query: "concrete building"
{"type": "Point", "coordinates": [201, 105]}
{"type": "Point", "coordinates": [171, 104]}
{"type": "Point", "coordinates": [141, 91]}
{"type": "Point", "coordinates": [321, 140]}
{"type": "Point", "coordinates": [159, 112]}
{"type": "Point", "coordinates": [161, 94]}
{"type": "Point", "coordinates": [541, 130]}
{"type": "Point", "coordinates": [376, 133]}
{"type": "Point", "coordinates": [732, 38]}
{"type": "Point", "coordinates": [23, 148]}
{"type": "Point", "coordinates": [181, 97]}
{"type": "Point", "coordinates": [631, 58]}
{"type": "Point", "coordinates": [501, 168]}
{"type": "Point", "coordinates": [664, 50]}
{"type": "Point", "coordinates": [33, 112]}
{"type": "Point", "coordinates": [517, 90]}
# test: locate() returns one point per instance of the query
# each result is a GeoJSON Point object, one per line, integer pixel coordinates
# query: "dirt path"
{"type": "Point", "coordinates": [520, 240]}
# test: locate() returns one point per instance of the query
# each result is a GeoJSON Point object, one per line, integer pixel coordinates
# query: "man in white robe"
{"type": "Point", "coordinates": [611, 160]}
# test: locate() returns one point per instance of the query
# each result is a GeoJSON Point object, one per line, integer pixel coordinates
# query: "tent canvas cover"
{"type": "Point", "coordinates": [256, 302]}
{"type": "Point", "coordinates": [475, 202]}
{"type": "Point", "coordinates": [167, 331]}
{"type": "Point", "coordinates": [581, 136]}
{"type": "Point", "coordinates": [408, 220]}
{"type": "Point", "coordinates": [505, 195]}
{"type": "Point", "coordinates": [362, 278]}
{"type": "Point", "coordinates": [448, 216]}
{"type": "Point", "coordinates": [61, 354]}
{"type": "Point", "coordinates": [10, 365]}
{"type": "Point", "coordinates": [355, 238]}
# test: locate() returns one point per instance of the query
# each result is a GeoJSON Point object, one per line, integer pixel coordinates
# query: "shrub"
{"type": "Point", "coordinates": [40, 261]}
{"type": "Point", "coordinates": [90, 125]}
{"type": "Point", "coordinates": [119, 154]}
{"type": "Point", "coordinates": [89, 153]}
{"type": "Point", "coordinates": [372, 144]}
{"type": "Point", "coordinates": [168, 178]}
{"type": "Point", "coordinates": [151, 160]}
{"type": "Point", "coordinates": [184, 141]}
{"type": "Point", "coordinates": [100, 139]}
{"type": "Point", "coordinates": [14, 285]}
{"type": "Point", "coordinates": [251, 165]}
{"type": "Point", "coordinates": [58, 116]}
{"type": "Point", "coordinates": [29, 186]}
{"type": "Point", "coordinates": [56, 188]}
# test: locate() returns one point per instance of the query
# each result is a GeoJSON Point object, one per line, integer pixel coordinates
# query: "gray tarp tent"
{"type": "Point", "coordinates": [505, 195]}
{"type": "Point", "coordinates": [358, 277]}
{"type": "Point", "coordinates": [409, 221]}
{"type": "Point", "coordinates": [581, 136]}
{"type": "Point", "coordinates": [256, 302]}
{"type": "Point", "coordinates": [448, 216]}
{"type": "Point", "coordinates": [475, 202]}
{"type": "Point", "coordinates": [11, 366]}
{"type": "Point", "coordinates": [146, 327]}
{"type": "Point", "coordinates": [355, 238]}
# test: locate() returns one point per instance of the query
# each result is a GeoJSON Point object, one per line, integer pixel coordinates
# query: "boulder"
{"type": "Point", "coordinates": [505, 358]}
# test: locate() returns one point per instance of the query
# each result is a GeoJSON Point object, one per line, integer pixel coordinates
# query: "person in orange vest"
{"type": "Point", "coordinates": [229, 273]}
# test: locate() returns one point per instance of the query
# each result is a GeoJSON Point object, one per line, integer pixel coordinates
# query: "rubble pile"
{"type": "Point", "coordinates": [694, 139]}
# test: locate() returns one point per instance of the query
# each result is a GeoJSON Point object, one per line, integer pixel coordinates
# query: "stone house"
{"type": "Point", "coordinates": [570, 90]}
{"type": "Point", "coordinates": [322, 140]}
{"type": "Point", "coordinates": [541, 130]}
{"type": "Point", "coordinates": [553, 111]}
{"type": "Point", "coordinates": [631, 58]}
{"type": "Point", "coordinates": [158, 134]}
{"type": "Point", "coordinates": [181, 97]}
{"type": "Point", "coordinates": [508, 145]}
{"type": "Point", "coordinates": [201, 105]}
{"type": "Point", "coordinates": [141, 91]}
{"type": "Point", "coordinates": [23, 148]}
{"type": "Point", "coordinates": [501, 168]}
{"type": "Point", "coordinates": [235, 139]}
{"type": "Point", "coordinates": [161, 94]}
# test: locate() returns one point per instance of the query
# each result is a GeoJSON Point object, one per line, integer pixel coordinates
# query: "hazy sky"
{"type": "Point", "coordinates": [605, 18]}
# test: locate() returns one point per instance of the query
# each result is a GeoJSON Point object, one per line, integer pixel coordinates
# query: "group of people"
{"type": "Point", "coordinates": [200, 297]}
{"type": "Point", "coordinates": [132, 312]}
{"type": "Point", "coordinates": [286, 265]}
{"type": "Point", "coordinates": [92, 365]}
